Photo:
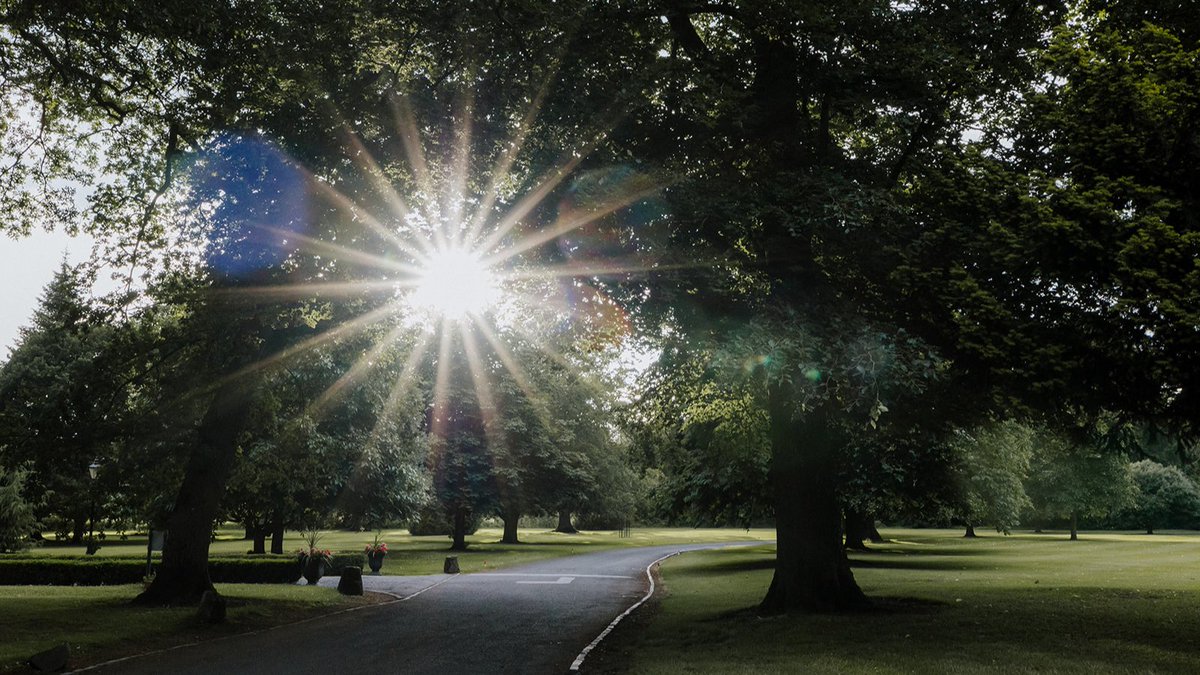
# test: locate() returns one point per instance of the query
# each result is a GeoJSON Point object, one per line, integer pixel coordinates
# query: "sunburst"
{"type": "Point", "coordinates": [458, 273]}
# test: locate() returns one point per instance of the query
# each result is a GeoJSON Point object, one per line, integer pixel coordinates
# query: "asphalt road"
{"type": "Point", "coordinates": [530, 619]}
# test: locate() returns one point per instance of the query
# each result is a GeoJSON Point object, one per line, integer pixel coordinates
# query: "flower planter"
{"type": "Point", "coordinates": [314, 569]}
{"type": "Point", "coordinates": [375, 561]}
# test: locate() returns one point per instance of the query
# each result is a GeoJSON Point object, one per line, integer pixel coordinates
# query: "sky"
{"type": "Point", "coordinates": [27, 264]}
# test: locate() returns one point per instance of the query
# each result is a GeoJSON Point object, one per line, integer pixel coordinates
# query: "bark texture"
{"type": "Point", "coordinates": [564, 523]}
{"type": "Point", "coordinates": [511, 520]}
{"type": "Point", "coordinates": [459, 534]}
{"type": "Point", "coordinates": [812, 572]}
{"type": "Point", "coordinates": [182, 578]}
{"type": "Point", "coordinates": [860, 527]}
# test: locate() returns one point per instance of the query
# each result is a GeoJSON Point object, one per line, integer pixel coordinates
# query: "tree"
{"type": "Point", "coordinates": [1068, 479]}
{"type": "Point", "coordinates": [996, 464]}
{"type": "Point", "coordinates": [1164, 497]}
{"type": "Point", "coordinates": [820, 171]}
{"type": "Point", "coordinates": [17, 520]}
{"type": "Point", "coordinates": [708, 439]}
{"type": "Point", "coordinates": [61, 400]}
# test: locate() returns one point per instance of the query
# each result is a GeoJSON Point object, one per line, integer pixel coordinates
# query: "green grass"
{"type": "Point", "coordinates": [99, 623]}
{"type": "Point", "coordinates": [1026, 603]}
{"type": "Point", "coordinates": [411, 555]}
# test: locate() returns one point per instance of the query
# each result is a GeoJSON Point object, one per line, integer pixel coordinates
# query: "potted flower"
{"type": "Point", "coordinates": [313, 559]}
{"type": "Point", "coordinates": [376, 551]}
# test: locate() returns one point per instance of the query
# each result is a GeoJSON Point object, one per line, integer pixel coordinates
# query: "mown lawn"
{"type": "Point", "coordinates": [1111, 603]}
{"type": "Point", "coordinates": [99, 623]}
{"type": "Point", "coordinates": [411, 555]}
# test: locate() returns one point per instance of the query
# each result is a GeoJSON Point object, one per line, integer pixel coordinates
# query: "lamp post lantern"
{"type": "Point", "coordinates": [93, 472]}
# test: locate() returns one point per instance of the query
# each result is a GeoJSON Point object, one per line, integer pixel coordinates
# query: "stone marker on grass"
{"type": "Point", "coordinates": [351, 581]}
{"type": "Point", "coordinates": [451, 565]}
{"type": "Point", "coordinates": [212, 608]}
{"type": "Point", "coordinates": [52, 660]}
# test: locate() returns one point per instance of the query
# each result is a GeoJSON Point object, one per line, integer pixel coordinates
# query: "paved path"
{"type": "Point", "coordinates": [529, 619]}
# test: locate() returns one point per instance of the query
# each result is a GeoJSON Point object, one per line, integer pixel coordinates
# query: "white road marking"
{"type": "Point", "coordinates": [556, 575]}
{"type": "Point", "coordinates": [560, 580]}
{"type": "Point", "coordinates": [583, 654]}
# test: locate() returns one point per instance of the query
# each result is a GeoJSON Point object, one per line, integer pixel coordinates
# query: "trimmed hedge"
{"type": "Point", "coordinates": [16, 570]}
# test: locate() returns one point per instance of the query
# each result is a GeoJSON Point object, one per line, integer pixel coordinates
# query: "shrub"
{"type": "Point", "coordinates": [90, 571]}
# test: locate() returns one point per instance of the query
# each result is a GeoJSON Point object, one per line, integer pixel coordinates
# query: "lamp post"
{"type": "Point", "coordinates": [93, 472]}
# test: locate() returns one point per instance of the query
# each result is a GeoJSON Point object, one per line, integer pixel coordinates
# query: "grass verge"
{"type": "Point", "coordinates": [1030, 603]}
{"type": "Point", "coordinates": [411, 555]}
{"type": "Point", "coordinates": [99, 623]}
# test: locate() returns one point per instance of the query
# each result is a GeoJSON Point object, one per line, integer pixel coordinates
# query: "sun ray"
{"type": "Point", "coordinates": [483, 388]}
{"type": "Point", "coordinates": [455, 193]}
{"type": "Point", "coordinates": [403, 382]}
{"type": "Point", "coordinates": [511, 151]}
{"type": "Point", "coordinates": [518, 374]}
{"type": "Point", "coordinates": [308, 289]}
{"type": "Point", "coordinates": [441, 382]}
{"type": "Point", "coordinates": [357, 323]}
{"type": "Point", "coordinates": [374, 171]}
{"type": "Point", "coordinates": [338, 199]}
{"type": "Point", "coordinates": [361, 366]}
{"type": "Point", "coordinates": [547, 182]}
{"type": "Point", "coordinates": [410, 137]}
{"type": "Point", "coordinates": [535, 239]}
{"type": "Point", "coordinates": [590, 269]}
{"type": "Point", "coordinates": [343, 253]}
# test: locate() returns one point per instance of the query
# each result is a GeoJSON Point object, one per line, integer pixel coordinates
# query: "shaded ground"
{"type": "Point", "coordinates": [1028, 603]}
{"type": "Point", "coordinates": [529, 619]}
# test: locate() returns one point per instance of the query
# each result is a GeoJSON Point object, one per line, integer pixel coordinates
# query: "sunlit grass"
{"type": "Point", "coordinates": [99, 623]}
{"type": "Point", "coordinates": [1028, 603]}
{"type": "Point", "coordinates": [411, 555]}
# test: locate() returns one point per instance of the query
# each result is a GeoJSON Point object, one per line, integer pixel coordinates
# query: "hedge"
{"type": "Point", "coordinates": [19, 570]}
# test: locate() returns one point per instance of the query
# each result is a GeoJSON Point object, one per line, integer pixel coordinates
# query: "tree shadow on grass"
{"type": "Point", "coordinates": [921, 563]}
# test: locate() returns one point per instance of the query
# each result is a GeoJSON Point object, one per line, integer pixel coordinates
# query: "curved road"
{"type": "Point", "coordinates": [530, 619]}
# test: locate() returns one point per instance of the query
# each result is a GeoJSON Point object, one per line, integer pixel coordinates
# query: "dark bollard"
{"type": "Point", "coordinates": [351, 581]}
{"type": "Point", "coordinates": [451, 566]}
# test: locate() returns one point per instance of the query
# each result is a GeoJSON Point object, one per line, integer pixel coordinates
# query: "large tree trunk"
{"type": "Point", "coordinates": [970, 533]}
{"type": "Point", "coordinates": [1074, 526]}
{"type": "Point", "coordinates": [511, 519]}
{"type": "Point", "coordinates": [78, 527]}
{"type": "Point", "coordinates": [812, 572]}
{"type": "Point", "coordinates": [860, 527]}
{"type": "Point", "coordinates": [183, 575]}
{"type": "Point", "coordinates": [564, 523]}
{"type": "Point", "coordinates": [258, 535]}
{"type": "Point", "coordinates": [277, 534]}
{"type": "Point", "coordinates": [460, 530]}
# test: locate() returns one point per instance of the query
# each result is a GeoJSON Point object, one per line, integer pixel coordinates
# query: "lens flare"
{"type": "Point", "coordinates": [454, 283]}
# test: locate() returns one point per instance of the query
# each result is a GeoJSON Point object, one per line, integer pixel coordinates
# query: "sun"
{"type": "Point", "coordinates": [454, 283]}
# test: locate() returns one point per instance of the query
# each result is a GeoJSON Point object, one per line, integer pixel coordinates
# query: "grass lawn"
{"type": "Point", "coordinates": [1109, 603]}
{"type": "Point", "coordinates": [99, 623]}
{"type": "Point", "coordinates": [411, 555]}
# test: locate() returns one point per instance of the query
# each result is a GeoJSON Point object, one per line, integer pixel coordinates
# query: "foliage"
{"type": "Point", "coordinates": [377, 546]}
{"type": "Point", "coordinates": [60, 399]}
{"type": "Point", "coordinates": [707, 441]}
{"type": "Point", "coordinates": [996, 463]}
{"type": "Point", "coordinates": [16, 513]}
{"type": "Point", "coordinates": [1070, 479]}
{"type": "Point", "coordinates": [311, 550]}
{"type": "Point", "coordinates": [92, 571]}
{"type": "Point", "coordinates": [1165, 498]}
